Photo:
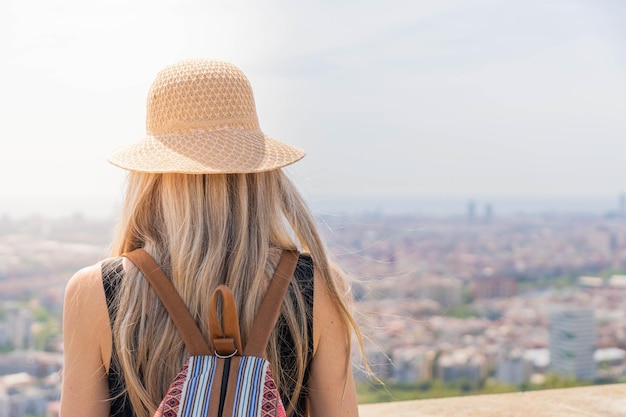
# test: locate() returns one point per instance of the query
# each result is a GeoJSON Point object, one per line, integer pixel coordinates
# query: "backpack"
{"type": "Point", "coordinates": [229, 381]}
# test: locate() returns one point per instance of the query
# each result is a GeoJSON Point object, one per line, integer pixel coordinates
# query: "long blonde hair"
{"type": "Point", "coordinates": [206, 230]}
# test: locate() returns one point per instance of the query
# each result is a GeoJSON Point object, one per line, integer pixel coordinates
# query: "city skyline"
{"type": "Point", "coordinates": [484, 206]}
{"type": "Point", "coordinates": [444, 303]}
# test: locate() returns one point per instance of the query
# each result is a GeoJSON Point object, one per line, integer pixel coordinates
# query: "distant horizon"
{"type": "Point", "coordinates": [458, 205]}
{"type": "Point", "coordinates": [400, 97]}
{"type": "Point", "coordinates": [420, 205]}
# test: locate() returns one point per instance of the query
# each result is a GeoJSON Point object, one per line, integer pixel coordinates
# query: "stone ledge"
{"type": "Point", "coordinates": [600, 401]}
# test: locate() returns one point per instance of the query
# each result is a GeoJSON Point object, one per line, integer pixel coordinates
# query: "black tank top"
{"type": "Point", "coordinates": [112, 273]}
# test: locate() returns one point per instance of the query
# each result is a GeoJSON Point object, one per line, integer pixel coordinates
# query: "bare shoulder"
{"type": "Point", "coordinates": [84, 296]}
{"type": "Point", "coordinates": [85, 282]}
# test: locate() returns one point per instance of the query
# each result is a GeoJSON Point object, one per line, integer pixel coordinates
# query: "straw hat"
{"type": "Point", "coordinates": [201, 119]}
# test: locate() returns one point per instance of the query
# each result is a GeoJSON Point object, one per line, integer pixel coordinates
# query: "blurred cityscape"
{"type": "Point", "coordinates": [469, 301]}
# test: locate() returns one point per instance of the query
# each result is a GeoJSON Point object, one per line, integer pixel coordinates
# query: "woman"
{"type": "Point", "coordinates": [206, 198]}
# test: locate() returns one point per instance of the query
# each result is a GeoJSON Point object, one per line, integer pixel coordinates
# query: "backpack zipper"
{"type": "Point", "coordinates": [224, 386]}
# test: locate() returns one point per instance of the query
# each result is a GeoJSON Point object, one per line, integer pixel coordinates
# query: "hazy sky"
{"type": "Point", "coordinates": [400, 98]}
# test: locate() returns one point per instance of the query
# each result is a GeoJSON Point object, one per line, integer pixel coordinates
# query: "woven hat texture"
{"type": "Point", "coordinates": [201, 118]}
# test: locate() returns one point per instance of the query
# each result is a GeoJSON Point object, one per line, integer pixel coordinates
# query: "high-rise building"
{"type": "Point", "coordinates": [471, 211]}
{"type": "Point", "coordinates": [488, 212]}
{"type": "Point", "coordinates": [18, 324]}
{"type": "Point", "coordinates": [572, 342]}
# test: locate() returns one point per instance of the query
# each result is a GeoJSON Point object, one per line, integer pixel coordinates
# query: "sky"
{"type": "Point", "coordinates": [394, 101]}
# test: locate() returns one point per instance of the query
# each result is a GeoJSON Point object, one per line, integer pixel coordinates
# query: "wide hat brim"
{"type": "Point", "coordinates": [225, 151]}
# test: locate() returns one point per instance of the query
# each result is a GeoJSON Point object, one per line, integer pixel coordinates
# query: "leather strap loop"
{"type": "Point", "coordinates": [268, 313]}
{"type": "Point", "coordinates": [224, 333]}
{"type": "Point", "coordinates": [185, 324]}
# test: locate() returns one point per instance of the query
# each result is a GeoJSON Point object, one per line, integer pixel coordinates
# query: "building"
{"type": "Point", "coordinates": [514, 369]}
{"type": "Point", "coordinates": [591, 282]}
{"type": "Point", "coordinates": [462, 364]}
{"type": "Point", "coordinates": [610, 362]}
{"type": "Point", "coordinates": [539, 359]}
{"type": "Point", "coordinates": [494, 287]}
{"type": "Point", "coordinates": [37, 364]}
{"type": "Point", "coordinates": [447, 292]}
{"type": "Point", "coordinates": [23, 395]}
{"type": "Point", "coordinates": [617, 281]}
{"type": "Point", "coordinates": [412, 364]}
{"type": "Point", "coordinates": [572, 342]}
{"type": "Point", "coordinates": [18, 322]}
{"type": "Point", "coordinates": [379, 363]}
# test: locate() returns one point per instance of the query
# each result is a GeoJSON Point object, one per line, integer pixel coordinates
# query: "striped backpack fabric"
{"type": "Point", "coordinates": [227, 381]}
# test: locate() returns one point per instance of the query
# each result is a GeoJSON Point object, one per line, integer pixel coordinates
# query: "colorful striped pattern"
{"type": "Point", "coordinates": [198, 385]}
{"type": "Point", "coordinates": [248, 399]}
{"type": "Point", "coordinates": [256, 394]}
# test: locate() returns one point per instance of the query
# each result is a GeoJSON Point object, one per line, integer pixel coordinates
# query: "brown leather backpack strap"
{"type": "Point", "coordinates": [224, 333]}
{"type": "Point", "coordinates": [185, 324]}
{"type": "Point", "coordinates": [271, 305]}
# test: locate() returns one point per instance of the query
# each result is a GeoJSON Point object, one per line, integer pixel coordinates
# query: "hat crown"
{"type": "Point", "coordinates": [200, 95]}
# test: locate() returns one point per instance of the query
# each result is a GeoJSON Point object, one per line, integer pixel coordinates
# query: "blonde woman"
{"type": "Point", "coordinates": [207, 199]}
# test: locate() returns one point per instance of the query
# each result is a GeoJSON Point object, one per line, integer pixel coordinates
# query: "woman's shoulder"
{"type": "Point", "coordinates": [84, 293]}
{"type": "Point", "coordinates": [87, 279]}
